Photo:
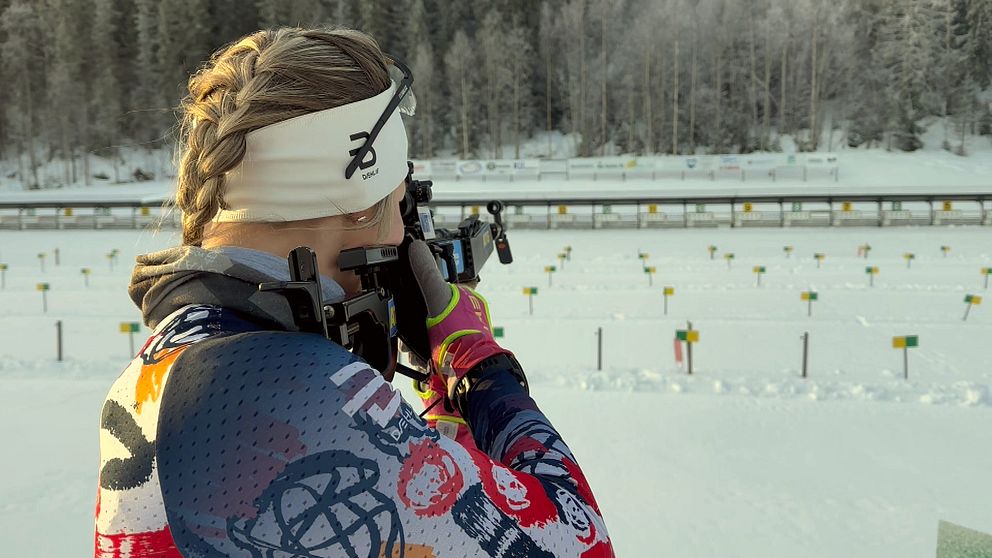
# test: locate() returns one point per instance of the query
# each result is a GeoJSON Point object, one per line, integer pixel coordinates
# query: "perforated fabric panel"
{"type": "Point", "coordinates": [257, 451]}
{"type": "Point", "coordinates": [283, 444]}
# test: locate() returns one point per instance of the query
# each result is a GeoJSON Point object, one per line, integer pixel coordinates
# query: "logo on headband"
{"type": "Point", "coordinates": [368, 161]}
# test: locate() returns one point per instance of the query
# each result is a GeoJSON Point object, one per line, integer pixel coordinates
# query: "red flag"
{"type": "Point", "coordinates": [678, 352]}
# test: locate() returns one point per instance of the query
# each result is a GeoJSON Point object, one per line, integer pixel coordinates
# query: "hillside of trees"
{"type": "Point", "coordinates": [87, 77]}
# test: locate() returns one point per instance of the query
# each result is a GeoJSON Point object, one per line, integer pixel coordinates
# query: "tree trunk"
{"type": "Point", "coordinates": [766, 113]}
{"type": "Point", "coordinates": [675, 103]}
{"type": "Point", "coordinates": [631, 119]}
{"type": "Point", "coordinates": [115, 156]}
{"type": "Point", "coordinates": [429, 124]}
{"type": "Point", "coordinates": [66, 153]}
{"type": "Point", "coordinates": [602, 119]}
{"type": "Point", "coordinates": [23, 176]}
{"type": "Point", "coordinates": [464, 111]}
{"type": "Point", "coordinates": [947, 67]}
{"type": "Point", "coordinates": [812, 88]}
{"type": "Point", "coordinates": [752, 62]}
{"type": "Point", "coordinates": [964, 128]}
{"type": "Point", "coordinates": [782, 125]}
{"type": "Point", "coordinates": [547, 96]}
{"type": "Point", "coordinates": [718, 78]}
{"type": "Point", "coordinates": [87, 175]}
{"type": "Point", "coordinates": [425, 127]}
{"type": "Point", "coordinates": [692, 101]}
{"type": "Point", "coordinates": [660, 125]}
{"type": "Point", "coordinates": [583, 145]}
{"type": "Point", "coordinates": [648, 117]}
{"type": "Point", "coordinates": [516, 111]}
{"type": "Point", "coordinates": [74, 165]}
{"type": "Point", "coordinates": [491, 113]}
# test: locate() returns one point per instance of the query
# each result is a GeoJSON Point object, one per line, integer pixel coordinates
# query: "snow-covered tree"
{"type": "Point", "coordinates": [146, 106]}
{"type": "Point", "coordinates": [106, 94]}
{"type": "Point", "coordinates": [638, 76]}
{"type": "Point", "coordinates": [22, 61]}
{"type": "Point", "coordinates": [907, 48]}
{"type": "Point", "coordinates": [979, 23]}
{"type": "Point", "coordinates": [66, 118]}
{"type": "Point", "coordinates": [459, 63]}
{"type": "Point", "coordinates": [422, 127]}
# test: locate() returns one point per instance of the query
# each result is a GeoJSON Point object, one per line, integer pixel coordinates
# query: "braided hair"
{"type": "Point", "coordinates": [261, 79]}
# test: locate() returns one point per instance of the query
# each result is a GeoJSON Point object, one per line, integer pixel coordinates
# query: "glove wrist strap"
{"type": "Point", "coordinates": [478, 373]}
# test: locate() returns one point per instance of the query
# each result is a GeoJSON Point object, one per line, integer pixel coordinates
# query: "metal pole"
{"type": "Point", "coordinates": [57, 257]}
{"type": "Point", "coordinates": [3, 278]}
{"type": "Point", "coordinates": [549, 278]}
{"type": "Point", "coordinates": [530, 301]}
{"type": "Point", "coordinates": [805, 352]}
{"type": "Point", "coordinates": [905, 362]}
{"type": "Point", "coordinates": [986, 281]}
{"type": "Point", "coordinates": [44, 301]}
{"type": "Point", "coordinates": [809, 310]}
{"type": "Point", "coordinates": [130, 341]}
{"type": "Point", "coordinates": [650, 280]}
{"type": "Point", "coordinates": [688, 349]}
{"type": "Point", "coordinates": [666, 304]}
{"type": "Point", "coordinates": [58, 337]}
{"type": "Point", "coordinates": [599, 349]}
{"type": "Point", "coordinates": [967, 309]}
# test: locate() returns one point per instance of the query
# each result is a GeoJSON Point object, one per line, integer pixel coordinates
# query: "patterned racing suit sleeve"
{"type": "Point", "coordinates": [283, 444]}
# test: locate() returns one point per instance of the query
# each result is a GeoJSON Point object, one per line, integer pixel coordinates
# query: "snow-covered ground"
{"type": "Point", "coordinates": [744, 458]}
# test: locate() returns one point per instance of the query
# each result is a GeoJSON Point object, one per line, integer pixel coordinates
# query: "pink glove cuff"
{"type": "Point", "coordinates": [461, 335]}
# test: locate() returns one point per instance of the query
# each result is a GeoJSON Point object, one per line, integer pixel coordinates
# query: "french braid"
{"type": "Point", "coordinates": [261, 79]}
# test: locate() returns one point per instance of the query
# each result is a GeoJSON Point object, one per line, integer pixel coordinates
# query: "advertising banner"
{"type": "Point", "coordinates": [553, 166]}
{"type": "Point", "coordinates": [422, 168]}
{"type": "Point", "coordinates": [820, 160]}
{"type": "Point", "coordinates": [498, 167]}
{"type": "Point", "coordinates": [444, 167]}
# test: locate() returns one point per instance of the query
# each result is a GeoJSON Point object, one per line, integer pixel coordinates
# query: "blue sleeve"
{"type": "Point", "coordinates": [284, 444]}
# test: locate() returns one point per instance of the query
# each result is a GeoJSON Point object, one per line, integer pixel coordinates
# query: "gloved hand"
{"type": "Point", "coordinates": [441, 416]}
{"type": "Point", "coordinates": [458, 324]}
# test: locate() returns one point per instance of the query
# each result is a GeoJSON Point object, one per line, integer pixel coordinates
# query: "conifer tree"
{"type": "Point", "coordinates": [22, 62]}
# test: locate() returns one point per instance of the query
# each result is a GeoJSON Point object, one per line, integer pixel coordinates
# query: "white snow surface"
{"type": "Point", "coordinates": [743, 458]}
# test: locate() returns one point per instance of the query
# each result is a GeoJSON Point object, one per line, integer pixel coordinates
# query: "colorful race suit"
{"type": "Point", "coordinates": [228, 437]}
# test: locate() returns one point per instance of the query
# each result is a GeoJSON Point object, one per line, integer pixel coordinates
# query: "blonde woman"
{"type": "Point", "coordinates": [232, 433]}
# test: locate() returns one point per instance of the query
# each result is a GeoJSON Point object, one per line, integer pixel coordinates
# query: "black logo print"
{"type": "Point", "coordinates": [325, 504]}
{"type": "Point", "coordinates": [370, 159]}
{"type": "Point", "coordinates": [125, 474]}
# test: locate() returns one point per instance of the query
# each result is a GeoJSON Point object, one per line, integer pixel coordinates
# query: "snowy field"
{"type": "Point", "coordinates": [743, 458]}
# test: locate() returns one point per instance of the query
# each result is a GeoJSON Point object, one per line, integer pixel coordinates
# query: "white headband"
{"type": "Point", "coordinates": [295, 169]}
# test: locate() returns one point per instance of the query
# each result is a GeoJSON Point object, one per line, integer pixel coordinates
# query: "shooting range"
{"type": "Point", "coordinates": [612, 145]}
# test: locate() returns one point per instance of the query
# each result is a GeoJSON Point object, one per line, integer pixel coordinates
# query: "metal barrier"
{"type": "Point", "coordinates": [655, 211]}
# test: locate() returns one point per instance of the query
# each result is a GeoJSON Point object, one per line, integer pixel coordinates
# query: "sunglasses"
{"type": "Point", "coordinates": [402, 90]}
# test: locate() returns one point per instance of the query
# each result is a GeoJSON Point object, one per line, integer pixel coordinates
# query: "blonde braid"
{"type": "Point", "coordinates": [262, 79]}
